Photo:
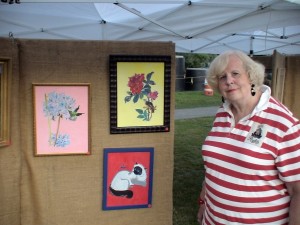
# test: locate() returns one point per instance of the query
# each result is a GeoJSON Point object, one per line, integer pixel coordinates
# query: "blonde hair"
{"type": "Point", "coordinates": [255, 70]}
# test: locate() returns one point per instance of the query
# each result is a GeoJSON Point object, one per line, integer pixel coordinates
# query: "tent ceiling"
{"type": "Point", "coordinates": [205, 26]}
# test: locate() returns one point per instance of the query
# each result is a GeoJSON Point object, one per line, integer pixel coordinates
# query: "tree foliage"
{"type": "Point", "coordinates": [193, 60]}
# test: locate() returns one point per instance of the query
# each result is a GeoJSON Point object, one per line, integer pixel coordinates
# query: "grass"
{"type": "Point", "coordinates": [188, 168]}
{"type": "Point", "coordinates": [188, 163]}
{"type": "Point", "coordinates": [193, 99]}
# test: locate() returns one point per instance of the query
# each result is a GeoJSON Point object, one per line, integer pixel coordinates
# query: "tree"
{"type": "Point", "coordinates": [194, 60]}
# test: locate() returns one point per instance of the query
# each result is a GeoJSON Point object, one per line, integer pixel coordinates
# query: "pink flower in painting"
{"type": "Point", "coordinates": [153, 95]}
{"type": "Point", "coordinates": [136, 83]}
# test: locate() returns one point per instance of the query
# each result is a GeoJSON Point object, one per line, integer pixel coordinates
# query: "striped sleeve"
{"type": "Point", "coordinates": [288, 160]}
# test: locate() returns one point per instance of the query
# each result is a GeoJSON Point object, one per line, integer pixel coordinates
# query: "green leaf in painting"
{"type": "Point", "coordinates": [149, 75]}
{"type": "Point", "coordinates": [127, 98]}
{"type": "Point", "coordinates": [141, 95]}
{"type": "Point", "coordinates": [136, 98]}
{"type": "Point", "coordinates": [145, 114]}
{"type": "Point", "coordinates": [140, 111]}
{"type": "Point", "coordinates": [151, 82]}
{"type": "Point", "coordinates": [147, 89]}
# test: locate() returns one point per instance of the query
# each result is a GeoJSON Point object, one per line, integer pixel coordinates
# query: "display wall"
{"type": "Point", "coordinates": [67, 189]}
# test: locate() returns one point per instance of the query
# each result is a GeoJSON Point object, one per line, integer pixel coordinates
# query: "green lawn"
{"type": "Point", "coordinates": [192, 99]}
{"type": "Point", "coordinates": [188, 168]}
{"type": "Point", "coordinates": [188, 164]}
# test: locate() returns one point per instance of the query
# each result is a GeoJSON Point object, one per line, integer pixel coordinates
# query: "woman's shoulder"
{"type": "Point", "coordinates": [280, 110]}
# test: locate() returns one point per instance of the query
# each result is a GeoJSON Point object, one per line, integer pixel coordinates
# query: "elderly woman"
{"type": "Point", "coordinates": [252, 153]}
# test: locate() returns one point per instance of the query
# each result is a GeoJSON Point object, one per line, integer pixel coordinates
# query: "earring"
{"type": "Point", "coordinates": [252, 90]}
{"type": "Point", "coordinates": [223, 100]}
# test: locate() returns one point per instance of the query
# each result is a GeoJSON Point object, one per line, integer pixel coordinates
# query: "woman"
{"type": "Point", "coordinates": [252, 154]}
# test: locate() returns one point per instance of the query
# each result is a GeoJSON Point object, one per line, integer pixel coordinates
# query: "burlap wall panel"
{"type": "Point", "coordinates": [67, 190]}
{"type": "Point", "coordinates": [292, 82]}
{"type": "Point", "coordinates": [10, 156]}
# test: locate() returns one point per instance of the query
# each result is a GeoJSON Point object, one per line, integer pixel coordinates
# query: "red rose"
{"type": "Point", "coordinates": [136, 83]}
{"type": "Point", "coordinates": [153, 95]}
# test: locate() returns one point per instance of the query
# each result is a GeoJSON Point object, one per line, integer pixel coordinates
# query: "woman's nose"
{"type": "Point", "coordinates": [229, 79]}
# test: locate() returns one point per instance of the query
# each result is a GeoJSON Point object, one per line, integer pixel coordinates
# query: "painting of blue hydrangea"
{"type": "Point", "coordinates": [61, 119]}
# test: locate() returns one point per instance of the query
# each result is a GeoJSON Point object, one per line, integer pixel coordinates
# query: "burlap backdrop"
{"type": "Point", "coordinates": [67, 190]}
{"type": "Point", "coordinates": [10, 157]}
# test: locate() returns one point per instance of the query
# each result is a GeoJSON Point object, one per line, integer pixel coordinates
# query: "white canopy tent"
{"type": "Point", "coordinates": [204, 26]}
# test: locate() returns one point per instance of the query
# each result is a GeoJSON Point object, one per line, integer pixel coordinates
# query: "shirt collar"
{"type": "Point", "coordinates": [262, 104]}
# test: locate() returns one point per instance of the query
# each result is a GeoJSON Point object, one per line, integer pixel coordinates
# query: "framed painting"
{"type": "Point", "coordinates": [127, 178]}
{"type": "Point", "coordinates": [139, 94]}
{"type": "Point", "coordinates": [5, 74]}
{"type": "Point", "coordinates": [61, 119]}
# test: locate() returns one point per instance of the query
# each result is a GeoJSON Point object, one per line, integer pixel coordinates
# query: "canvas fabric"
{"type": "Point", "coordinates": [67, 190]}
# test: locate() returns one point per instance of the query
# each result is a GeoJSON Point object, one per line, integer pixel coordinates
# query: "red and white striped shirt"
{"type": "Point", "coordinates": [247, 165]}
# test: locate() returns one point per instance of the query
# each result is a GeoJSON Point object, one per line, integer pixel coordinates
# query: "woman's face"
{"type": "Point", "coordinates": [234, 83]}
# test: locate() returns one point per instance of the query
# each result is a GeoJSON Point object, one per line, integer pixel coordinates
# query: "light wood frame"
{"type": "Point", "coordinates": [62, 119]}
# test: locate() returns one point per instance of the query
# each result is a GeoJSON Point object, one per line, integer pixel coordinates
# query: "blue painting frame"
{"type": "Point", "coordinates": [127, 178]}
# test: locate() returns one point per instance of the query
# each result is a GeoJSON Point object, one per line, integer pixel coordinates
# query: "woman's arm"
{"type": "Point", "coordinates": [201, 204]}
{"type": "Point", "coordinates": [294, 191]}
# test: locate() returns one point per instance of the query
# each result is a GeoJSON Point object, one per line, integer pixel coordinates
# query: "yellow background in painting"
{"type": "Point", "coordinates": [127, 114]}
